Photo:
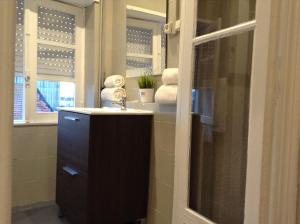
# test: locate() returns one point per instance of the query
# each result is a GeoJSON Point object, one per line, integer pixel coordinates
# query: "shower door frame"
{"type": "Point", "coordinates": [257, 198]}
{"type": "Point", "coordinates": [7, 55]}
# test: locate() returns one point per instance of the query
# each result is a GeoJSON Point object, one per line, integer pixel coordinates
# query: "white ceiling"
{"type": "Point", "coordinates": [79, 2]}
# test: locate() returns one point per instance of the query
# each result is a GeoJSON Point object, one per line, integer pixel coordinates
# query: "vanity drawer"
{"type": "Point", "coordinates": [72, 191]}
{"type": "Point", "coordinates": [73, 120]}
{"type": "Point", "coordinates": [73, 138]}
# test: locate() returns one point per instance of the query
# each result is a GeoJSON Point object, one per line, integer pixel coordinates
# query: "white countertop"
{"type": "Point", "coordinates": [107, 111]}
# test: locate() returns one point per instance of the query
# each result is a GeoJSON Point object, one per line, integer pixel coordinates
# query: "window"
{"type": "Point", "coordinates": [19, 64]}
{"type": "Point", "coordinates": [146, 47]}
{"type": "Point", "coordinates": [49, 59]}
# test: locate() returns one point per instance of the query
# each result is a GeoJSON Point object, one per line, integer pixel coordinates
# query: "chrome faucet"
{"type": "Point", "coordinates": [121, 102]}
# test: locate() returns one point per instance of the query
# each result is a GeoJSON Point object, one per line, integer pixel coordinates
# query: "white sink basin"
{"type": "Point", "coordinates": [108, 111]}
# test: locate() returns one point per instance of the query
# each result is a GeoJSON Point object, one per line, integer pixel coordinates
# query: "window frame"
{"type": "Point", "coordinates": [30, 58]}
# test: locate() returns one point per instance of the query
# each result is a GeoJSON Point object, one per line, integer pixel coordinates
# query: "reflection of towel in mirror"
{"type": "Point", "coordinates": [112, 94]}
{"type": "Point", "coordinates": [166, 94]}
{"type": "Point", "coordinates": [170, 76]}
{"type": "Point", "coordinates": [114, 81]}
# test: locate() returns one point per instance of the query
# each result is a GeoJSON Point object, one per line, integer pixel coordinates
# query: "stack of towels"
{"type": "Point", "coordinates": [113, 90]}
{"type": "Point", "coordinates": [167, 93]}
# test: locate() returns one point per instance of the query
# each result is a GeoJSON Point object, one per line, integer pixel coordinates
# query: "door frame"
{"type": "Point", "coordinates": [259, 166]}
{"type": "Point", "coordinates": [7, 55]}
{"type": "Point", "coordinates": [282, 125]}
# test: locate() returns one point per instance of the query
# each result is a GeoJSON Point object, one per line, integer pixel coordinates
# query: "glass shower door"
{"type": "Point", "coordinates": [219, 128]}
{"type": "Point", "coordinates": [217, 56]}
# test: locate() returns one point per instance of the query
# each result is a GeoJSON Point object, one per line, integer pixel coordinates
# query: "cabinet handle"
{"type": "Point", "coordinates": [70, 171]}
{"type": "Point", "coordinates": [71, 118]}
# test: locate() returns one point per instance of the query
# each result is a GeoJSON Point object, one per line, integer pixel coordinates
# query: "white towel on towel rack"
{"type": "Point", "coordinates": [170, 76]}
{"type": "Point", "coordinates": [114, 81]}
{"type": "Point", "coordinates": [166, 94]}
{"type": "Point", "coordinates": [112, 94]}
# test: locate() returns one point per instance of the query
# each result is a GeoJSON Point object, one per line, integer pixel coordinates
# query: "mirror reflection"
{"type": "Point", "coordinates": [146, 40]}
{"type": "Point", "coordinates": [217, 15]}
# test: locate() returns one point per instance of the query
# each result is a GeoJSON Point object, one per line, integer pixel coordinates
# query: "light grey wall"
{"type": "Point", "coordinates": [162, 169]}
{"type": "Point", "coordinates": [34, 164]}
{"type": "Point", "coordinates": [92, 54]}
{"type": "Point", "coordinates": [113, 38]}
{"type": "Point", "coordinates": [163, 153]}
{"type": "Point", "coordinates": [7, 52]}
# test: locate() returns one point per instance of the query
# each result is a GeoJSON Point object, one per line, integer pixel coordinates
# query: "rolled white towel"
{"type": "Point", "coordinates": [112, 94]}
{"type": "Point", "coordinates": [114, 81]}
{"type": "Point", "coordinates": [170, 76]}
{"type": "Point", "coordinates": [166, 94]}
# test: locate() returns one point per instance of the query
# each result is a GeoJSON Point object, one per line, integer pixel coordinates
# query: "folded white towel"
{"type": "Point", "coordinates": [112, 94]}
{"type": "Point", "coordinates": [170, 76]}
{"type": "Point", "coordinates": [166, 94]}
{"type": "Point", "coordinates": [114, 81]}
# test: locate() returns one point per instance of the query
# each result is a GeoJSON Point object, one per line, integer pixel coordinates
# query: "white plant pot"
{"type": "Point", "coordinates": [146, 95]}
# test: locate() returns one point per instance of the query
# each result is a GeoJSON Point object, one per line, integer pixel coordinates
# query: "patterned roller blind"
{"type": "Point", "coordinates": [56, 26]}
{"type": "Point", "coordinates": [138, 66]}
{"type": "Point", "coordinates": [54, 60]}
{"type": "Point", "coordinates": [139, 40]}
{"type": "Point", "coordinates": [19, 61]}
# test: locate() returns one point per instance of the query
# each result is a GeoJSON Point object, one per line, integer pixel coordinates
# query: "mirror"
{"type": "Point", "coordinates": [146, 40]}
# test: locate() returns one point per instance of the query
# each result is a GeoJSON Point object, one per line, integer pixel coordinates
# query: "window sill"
{"type": "Point", "coordinates": [136, 76]}
{"type": "Point", "coordinates": [46, 123]}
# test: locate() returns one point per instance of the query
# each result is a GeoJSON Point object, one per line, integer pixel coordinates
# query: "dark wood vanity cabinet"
{"type": "Point", "coordinates": [103, 167]}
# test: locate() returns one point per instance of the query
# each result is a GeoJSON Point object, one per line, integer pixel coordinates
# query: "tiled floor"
{"type": "Point", "coordinates": [46, 215]}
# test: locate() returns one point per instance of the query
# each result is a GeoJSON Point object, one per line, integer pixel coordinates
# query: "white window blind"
{"type": "Point", "coordinates": [139, 40]}
{"type": "Point", "coordinates": [19, 63]}
{"type": "Point", "coordinates": [19, 93]}
{"type": "Point", "coordinates": [145, 48]}
{"type": "Point", "coordinates": [54, 60]}
{"type": "Point", "coordinates": [57, 26]}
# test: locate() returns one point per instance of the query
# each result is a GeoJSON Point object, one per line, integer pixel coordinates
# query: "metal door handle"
{"type": "Point", "coordinates": [71, 118]}
{"type": "Point", "coordinates": [70, 171]}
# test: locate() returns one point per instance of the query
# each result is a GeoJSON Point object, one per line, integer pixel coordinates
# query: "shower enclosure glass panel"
{"type": "Point", "coordinates": [220, 110]}
{"type": "Point", "coordinates": [223, 14]}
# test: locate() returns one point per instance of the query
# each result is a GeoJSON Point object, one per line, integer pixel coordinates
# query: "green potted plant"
{"type": "Point", "coordinates": [146, 84]}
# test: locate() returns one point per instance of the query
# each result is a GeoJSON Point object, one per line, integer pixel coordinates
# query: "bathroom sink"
{"type": "Point", "coordinates": [108, 111]}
